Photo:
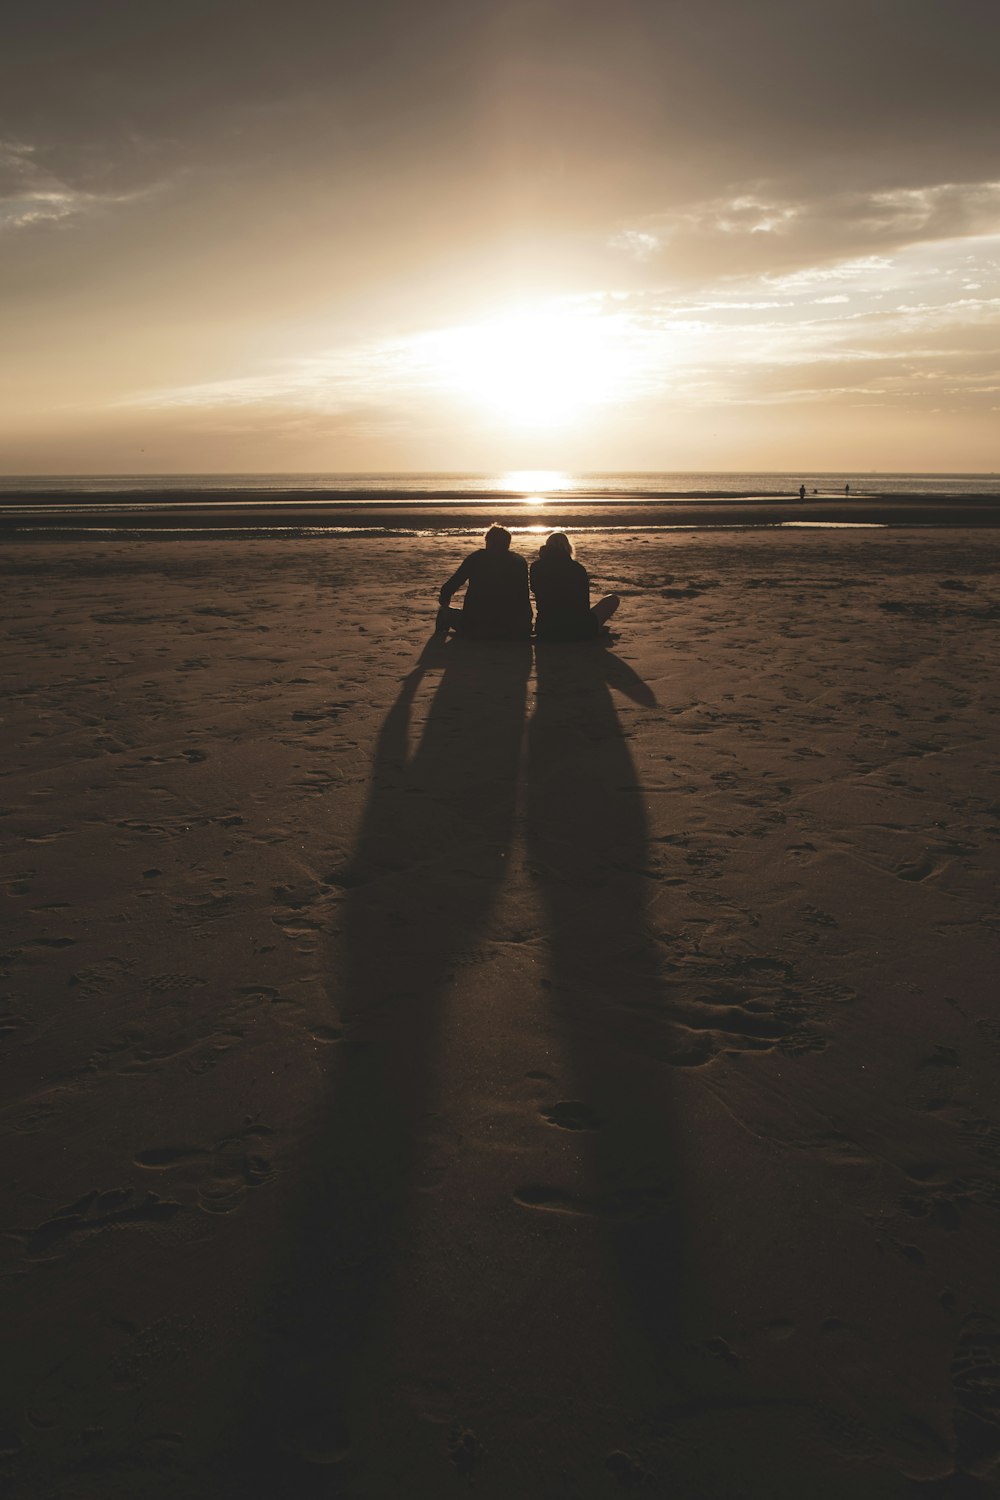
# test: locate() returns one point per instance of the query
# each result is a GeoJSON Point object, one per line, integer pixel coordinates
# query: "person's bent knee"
{"type": "Point", "coordinates": [605, 608]}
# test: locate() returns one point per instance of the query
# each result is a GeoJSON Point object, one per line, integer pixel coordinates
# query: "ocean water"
{"type": "Point", "coordinates": [443, 502]}
{"type": "Point", "coordinates": [513, 484]}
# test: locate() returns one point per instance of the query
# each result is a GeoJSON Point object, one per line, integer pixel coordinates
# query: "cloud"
{"type": "Point", "coordinates": [636, 242]}
{"type": "Point", "coordinates": [759, 231]}
{"type": "Point", "coordinates": [901, 329]}
{"type": "Point", "coordinates": [331, 381]}
{"type": "Point", "coordinates": [31, 193]}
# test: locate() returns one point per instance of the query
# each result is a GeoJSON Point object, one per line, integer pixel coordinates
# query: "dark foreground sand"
{"type": "Point", "coordinates": [434, 1070]}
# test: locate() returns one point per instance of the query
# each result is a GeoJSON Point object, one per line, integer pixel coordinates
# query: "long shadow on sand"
{"type": "Point", "coordinates": [428, 864]}
{"type": "Point", "coordinates": [588, 848]}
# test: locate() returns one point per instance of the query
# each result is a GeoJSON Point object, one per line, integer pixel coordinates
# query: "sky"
{"type": "Point", "coordinates": [498, 234]}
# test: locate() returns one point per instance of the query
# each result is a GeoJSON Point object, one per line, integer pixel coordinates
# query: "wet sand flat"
{"type": "Point", "coordinates": [433, 1069]}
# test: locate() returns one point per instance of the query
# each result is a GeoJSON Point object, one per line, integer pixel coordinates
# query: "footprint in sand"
{"type": "Point", "coordinates": [941, 1057]}
{"type": "Point", "coordinates": [726, 1019]}
{"type": "Point", "coordinates": [571, 1114]}
{"type": "Point", "coordinates": [218, 1177]}
{"type": "Point", "coordinates": [97, 979]}
{"type": "Point", "coordinates": [918, 869]}
{"type": "Point", "coordinates": [167, 983]}
{"type": "Point", "coordinates": [625, 1205]}
{"type": "Point", "coordinates": [94, 1212]}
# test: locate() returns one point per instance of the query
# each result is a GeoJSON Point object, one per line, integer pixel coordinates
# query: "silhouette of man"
{"type": "Point", "coordinates": [802, 492]}
{"type": "Point", "coordinates": [497, 605]}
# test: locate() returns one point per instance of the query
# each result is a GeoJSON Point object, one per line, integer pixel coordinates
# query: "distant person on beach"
{"type": "Point", "coordinates": [561, 587]}
{"type": "Point", "coordinates": [497, 605]}
{"type": "Point", "coordinates": [847, 490]}
{"type": "Point", "coordinates": [802, 492]}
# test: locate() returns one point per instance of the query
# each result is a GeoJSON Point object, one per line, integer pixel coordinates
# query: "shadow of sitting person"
{"type": "Point", "coordinates": [423, 879]}
{"type": "Point", "coordinates": [587, 838]}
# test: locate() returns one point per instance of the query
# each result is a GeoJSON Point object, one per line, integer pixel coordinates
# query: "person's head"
{"type": "Point", "coordinates": [497, 539]}
{"type": "Point", "coordinates": [557, 544]}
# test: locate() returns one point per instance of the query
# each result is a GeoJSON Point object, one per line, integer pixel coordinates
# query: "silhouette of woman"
{"type": "Point", "coordinates": [561, 587]}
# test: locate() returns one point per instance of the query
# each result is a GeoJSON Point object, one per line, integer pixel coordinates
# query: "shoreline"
{"type": "Point", "coordinates": [158, 513]}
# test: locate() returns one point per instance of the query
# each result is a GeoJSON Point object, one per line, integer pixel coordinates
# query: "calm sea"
{"type": "Point", "coordinates": [442, 501]}
{"type": "Point", "coordinates": [463, 488]}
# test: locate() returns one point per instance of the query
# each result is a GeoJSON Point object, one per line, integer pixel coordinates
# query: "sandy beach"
{"type": "Point", "coordinates": [434, 1069]}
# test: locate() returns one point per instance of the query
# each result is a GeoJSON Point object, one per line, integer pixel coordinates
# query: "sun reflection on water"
{"type": "Point", "coordinates": [535, 485]}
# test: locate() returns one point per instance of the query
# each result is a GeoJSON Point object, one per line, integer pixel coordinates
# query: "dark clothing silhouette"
{"type": "Point", "coordinates": [561, 587]}
{"type": "Point", "coordinates": [497, 603]}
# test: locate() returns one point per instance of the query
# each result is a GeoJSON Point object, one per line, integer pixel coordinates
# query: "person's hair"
{"type": "Point", "coordinates": [498, 539]}
{"type": "Point", "coordinates": [557, 544]}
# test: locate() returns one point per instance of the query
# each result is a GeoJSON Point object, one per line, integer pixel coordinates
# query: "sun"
{"type": "Point", "coordinates": [535, 367]}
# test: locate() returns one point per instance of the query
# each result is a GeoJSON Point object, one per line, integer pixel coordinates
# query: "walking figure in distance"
{"type": "Point", "coordinates": [561, 587]}
{"type": "Point", "coordinates": [497, 605]}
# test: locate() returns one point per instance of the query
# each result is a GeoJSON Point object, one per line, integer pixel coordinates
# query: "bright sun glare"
{"type": "Point", "coordinates": [535, 367]}
{"type": "Point", "coordinates": [536, 483]}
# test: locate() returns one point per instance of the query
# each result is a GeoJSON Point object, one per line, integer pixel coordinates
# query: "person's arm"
{"type": "Point", "coordinates": [454, 583]}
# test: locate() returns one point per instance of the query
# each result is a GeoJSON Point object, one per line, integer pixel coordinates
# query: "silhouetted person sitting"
{"type": "Point", "coordinates": [561, 587]}
{"type": "Point", "coordinates": [497, 604]}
